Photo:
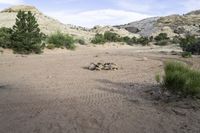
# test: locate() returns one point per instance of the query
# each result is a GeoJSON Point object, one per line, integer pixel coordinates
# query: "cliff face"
{"type": "Point", "coordinates": [49, 25]}
{"type": "Point", "coordinates": [172, 25]}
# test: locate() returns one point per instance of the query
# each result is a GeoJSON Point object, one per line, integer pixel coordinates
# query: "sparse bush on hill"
{"type": "Point", "coordinates": [98, 39]}
{"type": "Point", "coordinates": [111, 37]}
{"type": "Point", "coordinates": [114, 37]}
{"type": "Point", "coordinates": [60, 40]}
{"type": "Point", "coordinates": [186, 54]}
{"type": "Point", "coordinates": [161, 37]}
{"type": "Point", "coordinates": [175, 40]}
{"type": "Point", "coordinates": [162, 42]}
{"type": "Point", "coordinates": [181, 79]}
{"type": "Point", "coordinates": [143, 40]}
{"type": "Point", "coordinates": [190, 44]}
{"type": "Point", "coordinates": [5, 37]}
{"type": "Point", "coordinates": [127, 40]}
{"type": "Point", "coordinates": [26, 36]}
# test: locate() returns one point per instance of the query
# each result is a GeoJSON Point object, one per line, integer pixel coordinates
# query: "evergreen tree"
{"type": "Point", "coordinates": [26, 37]}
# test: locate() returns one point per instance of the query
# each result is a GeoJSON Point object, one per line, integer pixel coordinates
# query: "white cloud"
{"type": "Point", "coordinates": [97, 17]}
{"type": "Point", "coordinates": [134, 5]}
{"type": "Point", "coordinates": [11, 2]}
{"type": "Point", "coordinates": [190, 5]}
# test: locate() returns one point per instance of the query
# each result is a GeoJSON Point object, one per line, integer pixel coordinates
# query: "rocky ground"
{"type": "Point", "coordinates": [56, 93]}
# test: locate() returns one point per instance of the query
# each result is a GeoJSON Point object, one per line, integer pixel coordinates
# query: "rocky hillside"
{"type": "Point", "coordinates": [47, 25]}
{"type": "Point", "coordinates": [172, 25]}
{"type": "Point", "coordinates": [122, 32]}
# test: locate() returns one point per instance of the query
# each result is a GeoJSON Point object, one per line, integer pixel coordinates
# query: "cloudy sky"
{"type": "Point", "coordinates": [106, 12]}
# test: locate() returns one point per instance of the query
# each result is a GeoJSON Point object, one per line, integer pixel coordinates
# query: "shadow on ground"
{"type": "Point", "coordinates": [124, 87]}
{"type": "Point", "coordinates": [5, 87]}
{"type": "Point", "coordinates": [147, 93]}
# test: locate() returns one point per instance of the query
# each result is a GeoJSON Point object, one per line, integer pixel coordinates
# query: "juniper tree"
{"type": "Point", "coordinates": [26, 37]}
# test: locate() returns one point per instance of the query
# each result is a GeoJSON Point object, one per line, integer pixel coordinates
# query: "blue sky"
{"type": "Point", "coordinates": [106, 12]}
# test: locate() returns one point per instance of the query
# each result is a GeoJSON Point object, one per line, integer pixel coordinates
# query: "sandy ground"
{"type": "Point", "coordinates": [54, 93]}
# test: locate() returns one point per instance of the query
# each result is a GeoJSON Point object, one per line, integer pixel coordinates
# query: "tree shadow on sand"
{"type": "Point", "coordinates": [148, 93]}
{"type": "Point", "coordinates": [4, 87]}
{"type": "Point", "coordinates": [126, 88]}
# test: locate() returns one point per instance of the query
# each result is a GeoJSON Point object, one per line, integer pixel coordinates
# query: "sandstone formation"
{"type": "Point", "coordinates": [173, 25]}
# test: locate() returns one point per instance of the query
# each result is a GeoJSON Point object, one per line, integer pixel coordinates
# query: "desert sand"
{"type": "Point", "coordinates": [55, 93]}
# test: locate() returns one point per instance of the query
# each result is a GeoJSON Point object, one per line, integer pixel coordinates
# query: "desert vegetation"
{"type": "Point", "coordinates": [60, 40]}
{"type": "Point", "coordinates": [25, 36]}
{"type": "Point", "coordinates": [5, 35]}
{"type": "Point", "coordinates": [114, 37]}
{"type": "Point", "coordinates": [162, 39]}
{"type": "Point", "coordinates": [190, 44]}
{"type": "Point", "coordinates": [180, 79]}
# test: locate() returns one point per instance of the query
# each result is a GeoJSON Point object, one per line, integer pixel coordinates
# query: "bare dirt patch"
{"type": "Point", "coordinates": [52, 93]}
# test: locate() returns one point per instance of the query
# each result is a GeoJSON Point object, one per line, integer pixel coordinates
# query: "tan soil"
{"type": "Point", "coordinates": [54, 93]}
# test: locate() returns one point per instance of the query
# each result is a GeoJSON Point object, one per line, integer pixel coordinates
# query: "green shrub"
{"type": "Point", "coordinates": [143, 40]}
{"type": "Point", "coordinates": [98, 39]}
{"type": "Point", "coordinates": [186, 54]}
{"type": "Point", "coordinates": [127, 40]}
{"type": "Point", "coordinates": [190, 44]}
{"type": "Point", "coordinates": [161, 36]}
{"type": "Point", "coordinates": [61, 40]}
{"type": "Point", "coordinates": [176, 40]}
{"type": "Point", "coordinates": [111, 37]}
{"type": "Point", "coordinates": [162, 43]}
{"type": "Point", "coordinates": [26, 36]}
{"type": "Point", "coordinates": [180, 78]}
{"type": "Point", "coordinates": [151, 38]}
{"type": "Point", "coordinates": [114, 37]}
{"type": "Point", "coordinates": [5, 37]}
{"type": "Point", "coordinates": [158, 78]}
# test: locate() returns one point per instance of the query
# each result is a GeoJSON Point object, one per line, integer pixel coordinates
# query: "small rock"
{"type": "Point", "coordinates": [92, 67]}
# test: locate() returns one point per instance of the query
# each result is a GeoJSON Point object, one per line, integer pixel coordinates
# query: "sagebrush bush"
{"type": "Point", "coordinates": [111, 37]}
{"type": "Point", "coordinates": [5, 37]}
{"type": "Point", "coordinates": [98, 39]}
{"type": "Point", "coordinates": [128, 40]}
{"type": "Point", "coordinates": [180, 78]}
{"type": "Point", "coordinates": [143, 40]}
{"type": "Point", "coordinates": [161, 36]}
{"type": "Point", "coordinates": [162, 42]}
{"type": "Point", "coordinates": [61, 40]}
{"type": "Point", "coordinates": [190, 44]}
{"type": "Point", "coordinates": [176, 40]}
{"type": "Point", "coordinates": [114, 37]}
{"type": "Point", "coordinates": [186, 54]}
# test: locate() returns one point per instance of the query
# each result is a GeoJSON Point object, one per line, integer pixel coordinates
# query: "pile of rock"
{"type": "Point", "coordinates": [102, 66]}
